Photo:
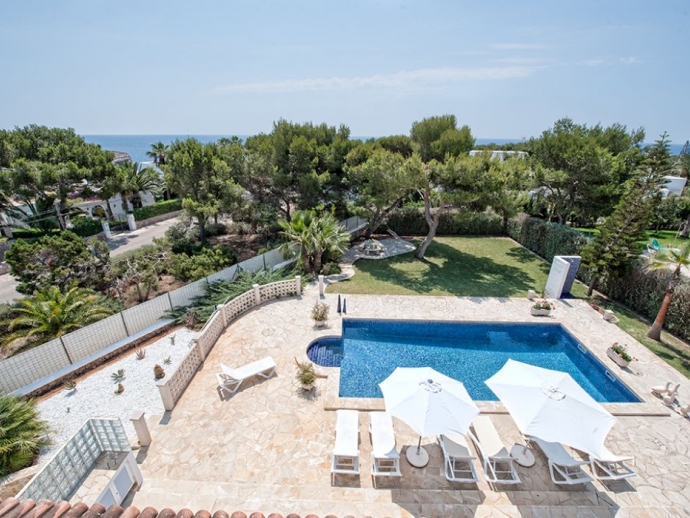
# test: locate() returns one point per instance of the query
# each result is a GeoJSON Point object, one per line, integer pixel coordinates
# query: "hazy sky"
{"type": "Point", "coordinates": [509, 69]}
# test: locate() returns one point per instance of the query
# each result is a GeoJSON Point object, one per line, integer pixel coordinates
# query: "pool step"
{"type": "Point", "coordinates": [326, 353]}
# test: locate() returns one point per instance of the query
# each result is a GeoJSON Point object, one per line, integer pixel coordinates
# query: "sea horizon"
{"type": "Point", "coordinates": [137, 144]}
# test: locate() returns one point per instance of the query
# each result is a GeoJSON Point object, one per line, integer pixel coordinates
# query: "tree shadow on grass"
{"type": "Point", "coordinates": [524, 256]}
{"type": "Point", "coordinates": [447, 270]}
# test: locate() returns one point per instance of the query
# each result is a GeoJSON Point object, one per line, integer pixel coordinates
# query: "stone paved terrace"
{"type": "Point", "coordinates": [267, 448]}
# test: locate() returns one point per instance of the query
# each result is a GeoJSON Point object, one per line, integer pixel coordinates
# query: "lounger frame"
{"type": "Point", "coordinates": [229, 380]}
{"type": "Point", "coordinates": [457, 468]}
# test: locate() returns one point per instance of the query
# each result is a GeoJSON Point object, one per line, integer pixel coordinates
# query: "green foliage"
{"type": "Point", "coordinates": [410, 222]}
{"type": "Point", "coordinates": [50, 314]}
{"type": "Point", "coordinates": [86, 227]}
{"type": "Point", "coordinates": [30, 234]}
{"type": "Point", "coordinates": [59, 260]}
{"type": "Point", "coordinates": [319, 238]}
{"type": "Point", "coordinates": [331, 269]}
{"type": "Point", "coordinates": [546, 239]}
{"type": "Point", "coordinates": [209, 261]}
{"type": "Point", "coordinates": [220, 292]}
{"type": "Point", "coordinates": [141, 268]}
{"type": "Point", "coordinates": [22, 434]}
{"type": "Point", "coordinates": [435, 138]}
{"type": "Point", "coordinates": [118, 376]}
{"type": "Point", "coordinates": [162, 207]}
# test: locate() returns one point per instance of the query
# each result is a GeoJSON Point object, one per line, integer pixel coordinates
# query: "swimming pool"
{"type": "Point", "coordinates": [469, 352]}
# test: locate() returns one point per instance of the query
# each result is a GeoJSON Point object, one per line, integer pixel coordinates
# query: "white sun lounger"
{"type": "Point", "coordinates": [563, 467]}
{"type": "Point", "coordinates": [457, 458]}
{"type": "Point", "coordinates": [346, 450]}
{"type": "Point", "coordinates": [499, 466]}
{"type": "Point", "coordinates": [385, 459]}
{"type": "Point", "coordinates": [230, 379]}
{"type": "Point", "coordinates": [611, 466]}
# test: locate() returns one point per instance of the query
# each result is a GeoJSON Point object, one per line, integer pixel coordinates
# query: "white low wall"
{"type": "Point", "coordinates": [173, 387]}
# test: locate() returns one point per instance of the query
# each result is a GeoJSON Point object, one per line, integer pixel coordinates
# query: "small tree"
{"type": "Point", "coordinates": [675, 259]}
{"type": "Point", "coordinates": [612, 251]}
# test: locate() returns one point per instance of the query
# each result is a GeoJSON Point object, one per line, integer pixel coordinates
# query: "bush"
{"type": "Point", "coordinates": [411, 222]}
{"type": "Point", "coordinates": [215, 229]}
{"type": "Point", "coordinates": [23, 434]}
{"type": "Point", "coordinates": [183, 238]}
{"type": "Point", "coordinates": [331, 269]}
{"type": "Point", "coordinates": [211, 260]}
{"type": "Point", "coordinates": [546, 239]}
{"type": "Point", "coordinates": [33, 233]}
{"type": "Point", "coordinates": [157, 209]}
{"type": "Point", "coordinates": [241, 228]}
{"type": "Point", "coordinates": [86, 227]}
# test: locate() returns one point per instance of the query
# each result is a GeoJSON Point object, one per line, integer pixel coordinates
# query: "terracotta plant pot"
{"type": "Point", "coordinates": [614, 356]}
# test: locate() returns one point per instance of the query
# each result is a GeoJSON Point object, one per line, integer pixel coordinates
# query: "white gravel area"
{"type": "Point", "coordinates": [95, 397]}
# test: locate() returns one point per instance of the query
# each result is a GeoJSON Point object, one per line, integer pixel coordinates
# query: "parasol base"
{"type": "Point", "coordinates": [417, 458]}
{"type": "Point", "coordinates": [522, 455]}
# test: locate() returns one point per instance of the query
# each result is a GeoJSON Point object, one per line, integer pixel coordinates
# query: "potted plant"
{"type": "Point", "coordinates": [541, 308]}
{"type": "Point", "coordinates": [305, 374]}
{"type": "Point", "coordinates": [320, 313]}
{"type": "Point", "coordinates": [619, 354]}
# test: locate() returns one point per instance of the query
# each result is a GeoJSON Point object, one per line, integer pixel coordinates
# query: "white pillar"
{"type": "Point", "coordinates": [131, 222]}
{"type": "Point", "coordinates": [166, 395]}
{"type": "Point", "coordinates": [321, 285]}
{"type": "Point", "coordinates": [139, 421]}
{"type": "Point", "coordinates": [257, 294]}
{"type": "Point", "coordinates": [106, 229]}
{"type": "Point", "coordinates": [298, 285]}
{"type": "Point", "coordinates": [221, 309]}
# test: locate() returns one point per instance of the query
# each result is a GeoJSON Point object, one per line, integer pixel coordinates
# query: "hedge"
{"type": "Point", "coordinates": [411, 222]}
{"type": "Point", "coordinates": [157, 209]}
{"type": "Point", "coordinates": [33, 233]}
{"type": "Point", "coordinates": [640, 290]}
{"type": "Point", "coordinates": [546, 239]}
{"type": "Point", "coordinates": [86, 227]}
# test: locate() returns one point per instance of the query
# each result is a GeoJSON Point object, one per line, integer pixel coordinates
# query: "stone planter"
{"type": "Point", "coordinates": [320, 323]}
{"type": "Point", "coordinates": [614, 356]}
{"type": "Point", "coordinates": [540, 312]}
{"type": "Point", "coordinates": [307, 388]}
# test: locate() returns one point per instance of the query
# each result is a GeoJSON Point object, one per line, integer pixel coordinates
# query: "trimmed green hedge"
{"type": "Point", "coordinates": [411, 222]}
{"type": "Point", "coordinates": [546, 239]}
{"type": "Point", "coordinates": [157, 209]}
{"type": "Point", "coordinates": [33, 233]}
{"type": "Point", "coordinates": [86, 227]}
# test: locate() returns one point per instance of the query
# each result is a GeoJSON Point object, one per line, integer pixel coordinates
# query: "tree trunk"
{"type": "Point", "coordinates": [381, 216]}
{"type": "Point", "coordinates": [432, 221]}
{"type": "Point", "coordinates": [202, 228]}
{"type": "Point", "coordinates": [125, 205]}
{"type": "Point", "coordinates": [655, 331]}
{"type": "Point", "coordinates": [318, 255]}
{"type": "Point", "coordinates": [686, 228]}
{"type": "Point", "coordinates": [592, 284]}
{"type": "Point", "coordinates": [109, 210]}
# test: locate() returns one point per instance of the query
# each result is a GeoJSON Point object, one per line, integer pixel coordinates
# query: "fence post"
{"type": "Point", "coordinates": [321, 285]}
{"type": "Point", "coordinates": [257, 294]}
{"type": "Point", "coordinates": [170, 301]}
{"type": "Point", "coordinates": [166, 395]}
{"type": "Point", "coordinates": [221, 308]}
{"type": "Point", "coordinates": [124, 323]}
{"type": "Point", "coordinates": [298, 285]}
{"type": "Point", "coordinates": [62, 342]}
{"type": "Point", "coordinates": [139, 421]}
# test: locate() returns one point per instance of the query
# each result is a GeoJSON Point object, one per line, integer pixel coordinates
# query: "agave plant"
{"type": "Point", "coordinates": [22, 434]}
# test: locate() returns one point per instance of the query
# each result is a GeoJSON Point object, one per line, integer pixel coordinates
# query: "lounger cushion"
{"type": "Point", "coordinates": [557, 454]}
{"type": "Point", "coordinates": [488, 437]}
{"type": "Point", "coordinates": [456, 446]}
{"type": "Point", "coordinates": [346, 433]}
{"type": "Point", "coordinates": [382, 435]}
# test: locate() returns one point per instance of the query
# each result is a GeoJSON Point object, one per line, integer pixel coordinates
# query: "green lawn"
{"type": "Point", "coordinates": [666, 238]}
{"type": "Point", "coordinates": [462, 266]}
{"type": "Point", "coordinates": [672, 350]}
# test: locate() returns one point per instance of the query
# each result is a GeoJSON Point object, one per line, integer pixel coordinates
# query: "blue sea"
{"type": "Point", "coordinates": [138, 145]}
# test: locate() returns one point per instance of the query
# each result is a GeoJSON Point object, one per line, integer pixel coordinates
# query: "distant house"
{"type": "Point", "coordinates": [674, 186]}
{"type": "Point", "coordinates": [500, 155]}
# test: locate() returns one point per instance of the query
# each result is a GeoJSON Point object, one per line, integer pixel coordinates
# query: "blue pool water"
{"type": "Point", "coordinates": [468, 352]}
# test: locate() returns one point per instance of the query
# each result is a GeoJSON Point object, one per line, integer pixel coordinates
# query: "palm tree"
{"type": "Point", "coordinates": [675, 259]}
{"type": "Point", "coordinates": [316, 236]}
{"type": "Point", "coordinates": [50, 314]}
{"type": "Point", "coordinates": [136, 180]}
{"type": "Point", "coordinates": [22, 434]}
{"type": "Point", "coordinates": [157, 152]}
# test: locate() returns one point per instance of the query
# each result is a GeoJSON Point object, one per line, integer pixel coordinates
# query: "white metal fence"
{"type": "Point", "coordinates": [32, 367]}
{"type": "Point", "coordinates": [63, 474]}
{"type": "Point", "coordinates": [173, 387]}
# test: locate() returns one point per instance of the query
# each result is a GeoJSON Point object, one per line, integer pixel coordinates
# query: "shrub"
{"type": "Point", "coordinates": [157, 209]}
{"type": "Point", "coordinates": [86, 227]}
{"type": "Point", "coordinates": [211, 260]}
{"type": "Point", "coordinates": [410, 221]}
{"type": "Point", "coordinates": [546, 239]}
{"type": "Point", "coordinates": [33, 233]}
{"type": "Point", "coordinates": [158, 372]}
{"type": "Point", "coordinates": [215, 229]}
{"type": "Point", "coordinates": [241, 228]}
{"type": "Point", "coordinates": [23, 434]}
{"type": "Point", "coordinates": [331, 269]}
